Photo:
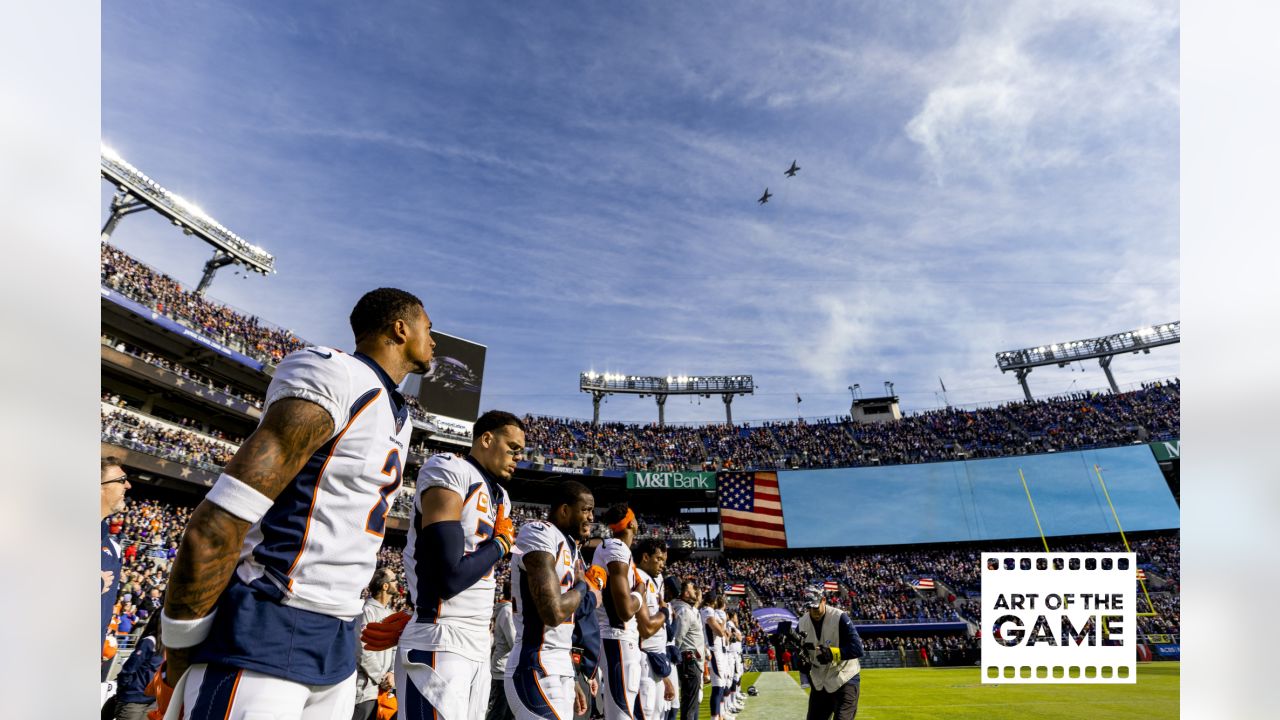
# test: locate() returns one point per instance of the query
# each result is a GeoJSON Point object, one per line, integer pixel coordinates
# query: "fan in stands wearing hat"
{"type": "Point", "coordinates": [833, 646]}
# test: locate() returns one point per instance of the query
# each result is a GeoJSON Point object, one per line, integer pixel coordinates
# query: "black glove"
{"type": "Point", "coordinates": [824, 655]}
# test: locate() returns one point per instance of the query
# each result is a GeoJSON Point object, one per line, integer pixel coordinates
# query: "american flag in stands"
{"type": "Point", "coordinates": [923, 584]}
{"type": "Point", "coordinates": [1142, 574]}
{"type": "Point", "coordinates": [830, 586]}
{"type": "Point", "coordinates": [751, 510]}
{"type": "Point", "coordinates": [735, 589]}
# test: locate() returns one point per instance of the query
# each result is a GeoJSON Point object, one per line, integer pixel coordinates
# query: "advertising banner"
{"type": "Point", "coordinates": [568, 470]}
{"type": "Point", "coordinates": [1168, 450]}
{"type": "Point", "coordinates": [691, 480]}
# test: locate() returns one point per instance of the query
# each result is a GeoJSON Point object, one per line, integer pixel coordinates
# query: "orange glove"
{"type": "Point", "coordinates": [504, 531]}
{"type": "Point", "coordinates": [595, 577]}
{"type": "Point", "coordinates": [385, 634]}
{"type": "Point", "coordinates": [162, 692]}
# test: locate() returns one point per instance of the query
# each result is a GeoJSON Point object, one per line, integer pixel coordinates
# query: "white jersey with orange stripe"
{"type": "Point", "coordinates": [652, 595]}
{"type": "Point", "coordinates": [732, 628]}
{"type": "Point", "coordinates": [461, 623]}
{"type": "Point", "coordinates": [318, 544]}
{"type": "Point", "coordinates": [611, 627]}
{"type": "Point", "coordinates": [548, 648]}
{"type": "Point", "coordinates": [715, 642]}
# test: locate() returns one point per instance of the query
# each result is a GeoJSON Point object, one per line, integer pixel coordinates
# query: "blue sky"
{"type": "Point", "coordinates": [976, 500]}
{"type": "Point", "coordinates": [573, 184]}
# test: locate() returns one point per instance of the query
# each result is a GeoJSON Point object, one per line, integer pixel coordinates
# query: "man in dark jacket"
{"type": "Point", "coordinates": [132, 700]}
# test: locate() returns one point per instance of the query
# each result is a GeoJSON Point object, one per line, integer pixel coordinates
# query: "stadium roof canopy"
{"type": "Point", "coordinates": [1102, 348]}
{"type": "Point", "coordinates": [137, 192]}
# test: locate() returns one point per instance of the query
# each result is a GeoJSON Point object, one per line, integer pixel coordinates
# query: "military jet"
{"type": "Point", "coordinates": [791, 171]}
{"type": "Point", "coordinates": [765, 197]}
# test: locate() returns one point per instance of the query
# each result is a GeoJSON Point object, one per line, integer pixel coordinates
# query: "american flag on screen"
{"type": "Point", "coordinates": [923, 584]}
{"type": "Point", "coordinates": [751, 510]}
{"type": "Point", "coordinates": [736, 589]}
{"type": "Point", "coordinates": [830, 586]}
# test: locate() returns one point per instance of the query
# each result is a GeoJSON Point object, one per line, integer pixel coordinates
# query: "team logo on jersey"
{"type": "Point", "coordinates": [482, 501]}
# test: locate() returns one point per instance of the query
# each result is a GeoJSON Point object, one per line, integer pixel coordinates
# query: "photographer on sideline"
{"type": "Point", "coordinates": [833, 646]}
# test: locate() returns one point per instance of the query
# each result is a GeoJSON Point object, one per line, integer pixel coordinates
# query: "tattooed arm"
{"type": "Point", "coordinates": [290, 432]}
{"type": "Point", "coordinates": [554, 607]}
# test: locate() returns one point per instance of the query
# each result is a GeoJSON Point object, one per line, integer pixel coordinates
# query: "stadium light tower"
{"type": "Point", "coordinates": [726, 386]}
{"type": "Point", "coordinates": [136, 192]}
{"type": "Point", "coordinates": [1105, 348]}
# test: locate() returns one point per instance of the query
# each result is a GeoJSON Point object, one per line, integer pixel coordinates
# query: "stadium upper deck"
{"type": "Point", "coordinates": [1075, 422]}
{"type": "Point", "coordinates": [1078, 421]}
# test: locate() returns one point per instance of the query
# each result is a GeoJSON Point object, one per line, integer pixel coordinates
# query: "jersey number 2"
{"type": "Point", "coordinates": [377, 521]}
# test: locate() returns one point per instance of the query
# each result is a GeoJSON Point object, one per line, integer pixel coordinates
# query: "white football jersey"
{"type": "Point", "coordinates": [715, 642]}
{"type": "Point", "coordinates": [547, 647]}
{"type": "Point", "coordinates": [614, 550]}
{"type": "Point", "coordinates": [735, 646]}
{"type": "Point", "coordinates": [657, 641]}
{"type": "Point", "coordinates": [461, 623]}
{"type": "Point", "coordinates": [319, 541]}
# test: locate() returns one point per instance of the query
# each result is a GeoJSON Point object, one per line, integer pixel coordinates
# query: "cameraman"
{"type": "Point", "coordinates": [832, 645]}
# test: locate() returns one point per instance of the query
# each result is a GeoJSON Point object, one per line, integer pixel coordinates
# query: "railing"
{"type": "Point", "coordinates": [159, 452]}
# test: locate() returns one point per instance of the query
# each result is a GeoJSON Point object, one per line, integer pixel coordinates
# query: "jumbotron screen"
{"type": "Point", "coordinates": [452, 387]}
{"type": "Point", "coordinates": [976, 499]}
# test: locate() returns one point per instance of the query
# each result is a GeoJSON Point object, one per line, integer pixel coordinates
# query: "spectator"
{"type": "Point", "coordinates": [132, 700]}
{"type": "Point", "coordinates": [113, 483]}
{"type": "Point", "coordinates": [373, 667]}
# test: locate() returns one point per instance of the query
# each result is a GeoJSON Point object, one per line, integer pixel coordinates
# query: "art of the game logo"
{"type": "Point", "coordinates": [1059, 617]}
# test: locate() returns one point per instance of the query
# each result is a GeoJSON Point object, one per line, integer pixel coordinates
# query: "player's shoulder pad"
{"type": "Point", "coordinates": [447, 470]}
{"type": "Point", "coordinates": [614, 550]}
{"type": "Point", "coordinates": [317, 374]}
{"type": "Point", "coordinates": [537, 535]}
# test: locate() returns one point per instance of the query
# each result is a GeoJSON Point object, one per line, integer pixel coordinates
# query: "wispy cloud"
{"type": "Point", "coordinates": [575, 189]}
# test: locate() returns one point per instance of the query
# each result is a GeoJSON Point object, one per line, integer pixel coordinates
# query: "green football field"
{"type": "Point", "coordinates": [918, 693]}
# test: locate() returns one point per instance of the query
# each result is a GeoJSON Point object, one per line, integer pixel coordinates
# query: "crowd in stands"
{"type": "Point", "coordinates": [1076, 421]}
{"type": "Point", "coordinates": [132, 431]}
{"type": "Point", "coordinates": [873, 585]}
{"type": "Point", "coordinates": [1072, 422]}
{"type": "Point", "coordinates": [239, 331]}
{"type": "Point", "coordinates": [181, 370]}
{"type": "Point", "coordinates": [149, 532]}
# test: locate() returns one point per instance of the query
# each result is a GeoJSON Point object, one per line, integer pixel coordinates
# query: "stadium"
{"type": "Point", "coordinates": [582, 205]}
{"type": "Point", "coordinates": [183, 381]}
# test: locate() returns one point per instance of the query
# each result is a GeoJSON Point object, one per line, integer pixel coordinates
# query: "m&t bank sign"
{"type": "Point", "coordinates": [671, 480]}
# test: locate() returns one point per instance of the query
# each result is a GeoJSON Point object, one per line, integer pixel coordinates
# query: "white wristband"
{"type": "Point", "coordinates": [185, 633]}
{"type": "Point", "coordinates": [639, 598]}
{"type": "Point", "coordinates": [239, 499]}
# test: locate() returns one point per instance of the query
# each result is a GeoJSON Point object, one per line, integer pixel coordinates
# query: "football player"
{"type": "Point", "coordinates": [549, 585]}
{"type": "Point", "coordinates": [260, 615]}
{"type": "Point", "coordinates": [622, 605]}
{"type": "Point", "coordinates": [461, 529]}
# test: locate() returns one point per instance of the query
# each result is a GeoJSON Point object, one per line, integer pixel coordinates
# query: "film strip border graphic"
{"type": "Point", "coordinates": [1059, 617]}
